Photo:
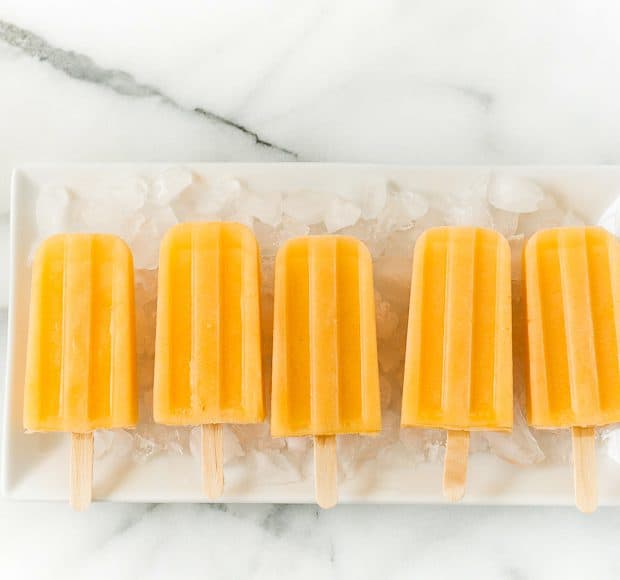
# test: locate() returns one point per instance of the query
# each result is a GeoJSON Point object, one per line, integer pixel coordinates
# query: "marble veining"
{"type": "Point", "coordinates": [81, 67]}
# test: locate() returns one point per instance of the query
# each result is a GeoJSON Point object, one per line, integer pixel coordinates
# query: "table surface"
{"type": "Point", "coordinates": [442, 82]}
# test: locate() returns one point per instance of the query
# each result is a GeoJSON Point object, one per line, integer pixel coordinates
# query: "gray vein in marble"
{"type": "Point", "coordinates": [133, 521]}
{"type": "Point", "coordinates": [277, 521]}
{"type": "Point", "coordinates": [484, 99]}
{"type": "Point", "coordinates": [82, 67]}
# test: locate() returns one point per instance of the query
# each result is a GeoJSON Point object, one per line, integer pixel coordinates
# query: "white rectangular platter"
{"type": "Point", "coordinates": [35, 466]}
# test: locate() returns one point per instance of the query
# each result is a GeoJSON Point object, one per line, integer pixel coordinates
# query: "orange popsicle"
{"type": "Point", "coordinates": [208, 347]}
{"type": "Point", "coordinates": [458, 366]}
{"type": "Point", "coordinates": [81, 359]}
{"type": "Point", "coordinates": [325, 373]}
{"type": "Point", "coordinates": [572, 281]}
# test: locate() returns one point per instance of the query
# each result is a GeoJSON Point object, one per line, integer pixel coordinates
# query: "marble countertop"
{"type": "Point", "coordinates": [433, 83]}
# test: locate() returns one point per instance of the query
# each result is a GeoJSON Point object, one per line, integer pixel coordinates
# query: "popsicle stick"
{"type": "Point", "coordinates": [81, 475]}
{"type": "Point", "coordinates": [584, 468]}
{"type": "Point", "coordinates": [455, 465]}
{"type": "Point", "coordinates": [212, 460]}
{"type": "Point", "coordinates": [325, 470]}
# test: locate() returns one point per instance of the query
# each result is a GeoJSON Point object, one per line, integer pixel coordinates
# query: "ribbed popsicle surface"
{"type": "Point", "coordinates": [458, 368]}
{"type": "Point", "coordinates": [208, 349]}
{"type": "Point", "coordinates": [81, 361]}
{"type": "Point", "coordinates": [572, 280]}
{"type": "Point", "coordinates": [325, 373]}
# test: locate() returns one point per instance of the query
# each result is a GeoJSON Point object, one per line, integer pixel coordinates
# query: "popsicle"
{"type": "Point", "coordinates": [572, 293]}
{"type": "Point", "coordinates": [81, 355]}
{"type": "Point", "coordinates": [208, 345]}
{"type": "Point", "coordinates": [325, 373]}
{"type": "Point", "coordinates": [458, 364]}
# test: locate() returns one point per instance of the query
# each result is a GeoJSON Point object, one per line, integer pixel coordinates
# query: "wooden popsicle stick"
{"type": "Point", "coordinates": [81, 471]}
{"type": "Point", "coordinates": [325, 470]}
{"type": "Point", "coordinates": [212, 460]}
{"type": "Point", "coordinates": [584, 468]}
{"type": "Point", "coordinates": [455, 465]}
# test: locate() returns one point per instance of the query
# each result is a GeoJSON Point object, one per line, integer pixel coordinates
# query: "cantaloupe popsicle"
{"type": "Point", "coordinates": [572, 281]}
{"type": "Point", "coordinates": [325, 373]}
{"type": "Point", "coordinates": [458, 366]}
{"type": "Point", "coordinates": [81, 359]}
{"type": "Point", "coordinates": [208, 346]}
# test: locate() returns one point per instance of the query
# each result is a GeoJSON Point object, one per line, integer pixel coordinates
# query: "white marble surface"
{"type": "Point", "coordinates": [441, 82]}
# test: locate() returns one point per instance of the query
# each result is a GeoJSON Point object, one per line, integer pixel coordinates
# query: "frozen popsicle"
{"type": "Point", "coordinates": [572, 292]}
{"type": "Point", "coordinates": [208, 346]}
{"type": "Point", "coordinates": [325, 373]}
{"type": "Point", "coordinates": [81, 356]}
{"type": "Point", "coordinates": [458, 366]}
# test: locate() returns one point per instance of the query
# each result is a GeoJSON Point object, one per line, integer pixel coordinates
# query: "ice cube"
{"type": "Point", "coordinates": [145, 243]}
{"type": "Point", "coordinates": [275, 467]}
{"type": "Point", "coordinates": [266, 207]}
{"type": "Point", "coordinates": [519, 447]}
{"type": "Point", "coordinates": [100, 216]}
{"type": "Point", "coordinates": [305, 207]}
{"type": "Point", "coordinates": [611, 438]}
{"type": "Point", "coordinates": [505, 222]}
{"type": "Point", "coordinates": [530, 223]}
{"type": "Point", "coordinates": [212, 202]}
{"type": "Point", "coordinates": [341, 214]}
{"type": "Point", "coordinates": [373, 201]}
{"type": "Point", "coordinates": [102, 441]}
{"type": "Point", "coordinates": [469, 212]}
{"type": "Point", "coordinates": [232, 447]}
{"type": "Point", "coordinates": [53, 210]}
{"type": "Point", "coordinates": [298, 445]}
{"type": "Point", "coordinates": [513, 193]}
{"type": "Point", "coordinates": [610, 220]}
{"type": "Point", "coordinates": [556, 444]}
{"type": "Point", "coordinates": [414, 205]}
{"type": "Point", "coordinates": [126, 195]}
{"type": "Point", "coordinates": [291, 229]}
{"type": "Point", "coordinates": [170, 184]}
{"type": "Point", "coordinates": [122, 444]}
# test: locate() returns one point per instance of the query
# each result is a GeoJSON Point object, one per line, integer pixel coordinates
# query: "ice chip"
{"type": "Point", "coordinates": [402, 210]}
{"type": "Point", "coordinates": [125, 196]}
{"type": "Point", "coordinates": [212, 202]}
{"type": "Point", "coordinates": [472, 212]}
{"type": "Point", "coordinates": [145, 243]}
{"type": "Point", "coordinates": [291, 229]}
{"type": "Point", "coordinates": [305, 207]}
{"type": "Point", "coordinates": [612, 440]}
{"type": "Point", "coordinates": [53, 210]}
{"type": "Point", "coordinates": [610, 220]}
{"type": "Point", "coordinates": [505, 222]}
{"type": "Point", "coordinates": [298, 444]}
{"type": "Point", "coordinates": [266, 207]}
{"type": "Point", "coordinates": [414, 205]}
{"type": "Point", "coordinates": [373, 201]}
{"type": "Point", "coordinates": [516, 194]}
{"type": "Point", "coordinates": [122, 445]}
{"type": "Point", "coordinates": [340, 214]}
{"type": "Point", "coordinates": [228, 187]}
{"type": "Point", "coordinates": [102, 440]}
{"type": "Point", "coordinates": [274, 467]}
{"type": "Point", "coordinates": [170, 184]}
{"type": "Point", "coordinates": [519, 447]}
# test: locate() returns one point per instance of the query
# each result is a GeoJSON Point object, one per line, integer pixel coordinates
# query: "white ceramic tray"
{"type": "Point", "coordinates": [35, 466]}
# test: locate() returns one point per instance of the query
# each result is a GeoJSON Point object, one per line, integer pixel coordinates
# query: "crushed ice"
{"type": "Point", "coordinates": [388, 218]}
